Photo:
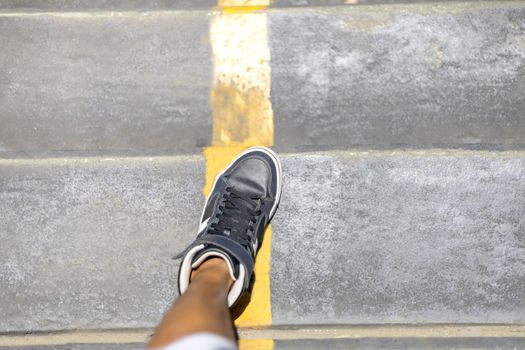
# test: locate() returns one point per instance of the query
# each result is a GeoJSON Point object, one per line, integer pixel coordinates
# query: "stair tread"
{"type": "Point", "coordinates": [341, 77]}
{"type": "Point", "coordinates": [141, 5]}
{"type": "Point", "coordinates": [479, 343]}
{"type": "Point", "coordinates": [361, 237]}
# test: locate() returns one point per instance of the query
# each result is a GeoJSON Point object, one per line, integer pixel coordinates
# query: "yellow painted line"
{"type": "Point", "coordinates": [240, 99]}
{"type": "Point", "coordinates": [242, 9]}
{"type": "Point", "coordinates": [242, 117]}
{"type": "Point", "coordinates": [256, 344]}
{"type": "Point", "coordinates": [243, 3]}
{"type": "Point", "coordinates": [259, 310]}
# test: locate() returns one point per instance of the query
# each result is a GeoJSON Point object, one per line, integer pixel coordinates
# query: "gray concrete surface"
{"type": "Point", "coordinates": [119, 5]}
{"type": "Point", "coordinates": [375, 76]}
{"type": "Point", "coordinates": [304, 3]}
{"type": "Point", "coordinates": [76, 5]}
{"type": "Point", "coordinates": [403, 237]}
{"type": "Point", "coordinates": [449, 74]}
{"type": "Point", "coordinates": [359, 238]}
{"type": "Point", "coordinates": [88, 244]}
{"type": "Point", "coordinates": [404, 344]}
{"type": "Point", "coordinates": [131, 346]}
{"type": "Point", "coordinates": [335, 344]}
{"type": "Point", "coordinates": [105, 83]}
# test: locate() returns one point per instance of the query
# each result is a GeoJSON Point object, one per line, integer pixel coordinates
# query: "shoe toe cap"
{"type": "Point", "coordinates": [252, 176]}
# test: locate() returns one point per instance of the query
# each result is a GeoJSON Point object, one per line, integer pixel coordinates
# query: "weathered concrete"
{"type": "Point", "coordinates": [305, 3]}
{"type": "Point", "coordinates": [119, 5]}
{"type": "Point", "coordinates": [131, 346]}
{"type": "Point", "coordinates": [76, 5]}
{"type": "Point", "coordinates": [104, 83]}
{"type": "Point", "coordinates": [138, 82]}
{"type": "Point", "coordinates": [402, 237]}
{"type": "Point", "coordinates": [359, 238]}
{"type": "Point", "coordinates": [403, 344]}
{"type": "Point", "coordinates": [334, 344]}
{"type": "Point", "coordinates": [447, 74]}
{"type": "Point", "coordinates": [88, 243]}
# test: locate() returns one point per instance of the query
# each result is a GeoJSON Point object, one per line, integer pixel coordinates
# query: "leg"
{"type": "Point", "coordinates": [202, 308]}
{"type": "Point", "coordinates": [219, 262]}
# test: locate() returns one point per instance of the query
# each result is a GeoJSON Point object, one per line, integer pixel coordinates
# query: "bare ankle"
{"type": "Point", "coordinates": [214, 269]}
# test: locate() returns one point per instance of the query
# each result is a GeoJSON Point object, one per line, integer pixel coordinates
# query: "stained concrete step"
{"type": "Point", "coordinates": [329, 337]}
{"type": "Point", "coordinates": [141, 5]}
{"type": "Point", "coordinates": [361, 237]}
{"type": "Point", "coordinates": [404, 344]}
{"type": "Point", "coordinates": [400, 237]}
{"type": "Point", "coordinates": [335, 344]}
{"type": "Point", "coordinates": [138, 83]}
{"type": "Point", "coordinates": [73, 346]}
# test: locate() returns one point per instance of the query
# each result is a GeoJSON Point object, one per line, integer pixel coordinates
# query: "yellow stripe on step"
{"type": "Point", "coordinates": [256, 344]}
{"type": "Point", "coordinates": [243, 3]}
{"type": "Point", "coordinates": [240, 99]}
{"type": "Point", "coordinates": [242, 9]}
{"type": "Point", "coordinates": [242, 117]}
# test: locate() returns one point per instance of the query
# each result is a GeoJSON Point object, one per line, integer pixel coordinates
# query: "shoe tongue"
{"type": "Point", "coordinates": [249, 178]}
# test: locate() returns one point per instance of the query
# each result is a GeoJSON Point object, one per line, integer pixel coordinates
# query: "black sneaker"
{"type": "Point", "coordinates": [241, 203]}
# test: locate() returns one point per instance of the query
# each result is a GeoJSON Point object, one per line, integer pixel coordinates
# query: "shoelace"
{"type": "Point", "coordinates": [236, 216]}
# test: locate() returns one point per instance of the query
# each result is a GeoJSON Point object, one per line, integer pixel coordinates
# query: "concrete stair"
{"type": "Point", "coordinates": [336, 344]}
{"type": "Point", "coordinates": [401, 127]}
{"type": "Point", "coordinates": [117, 83]}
